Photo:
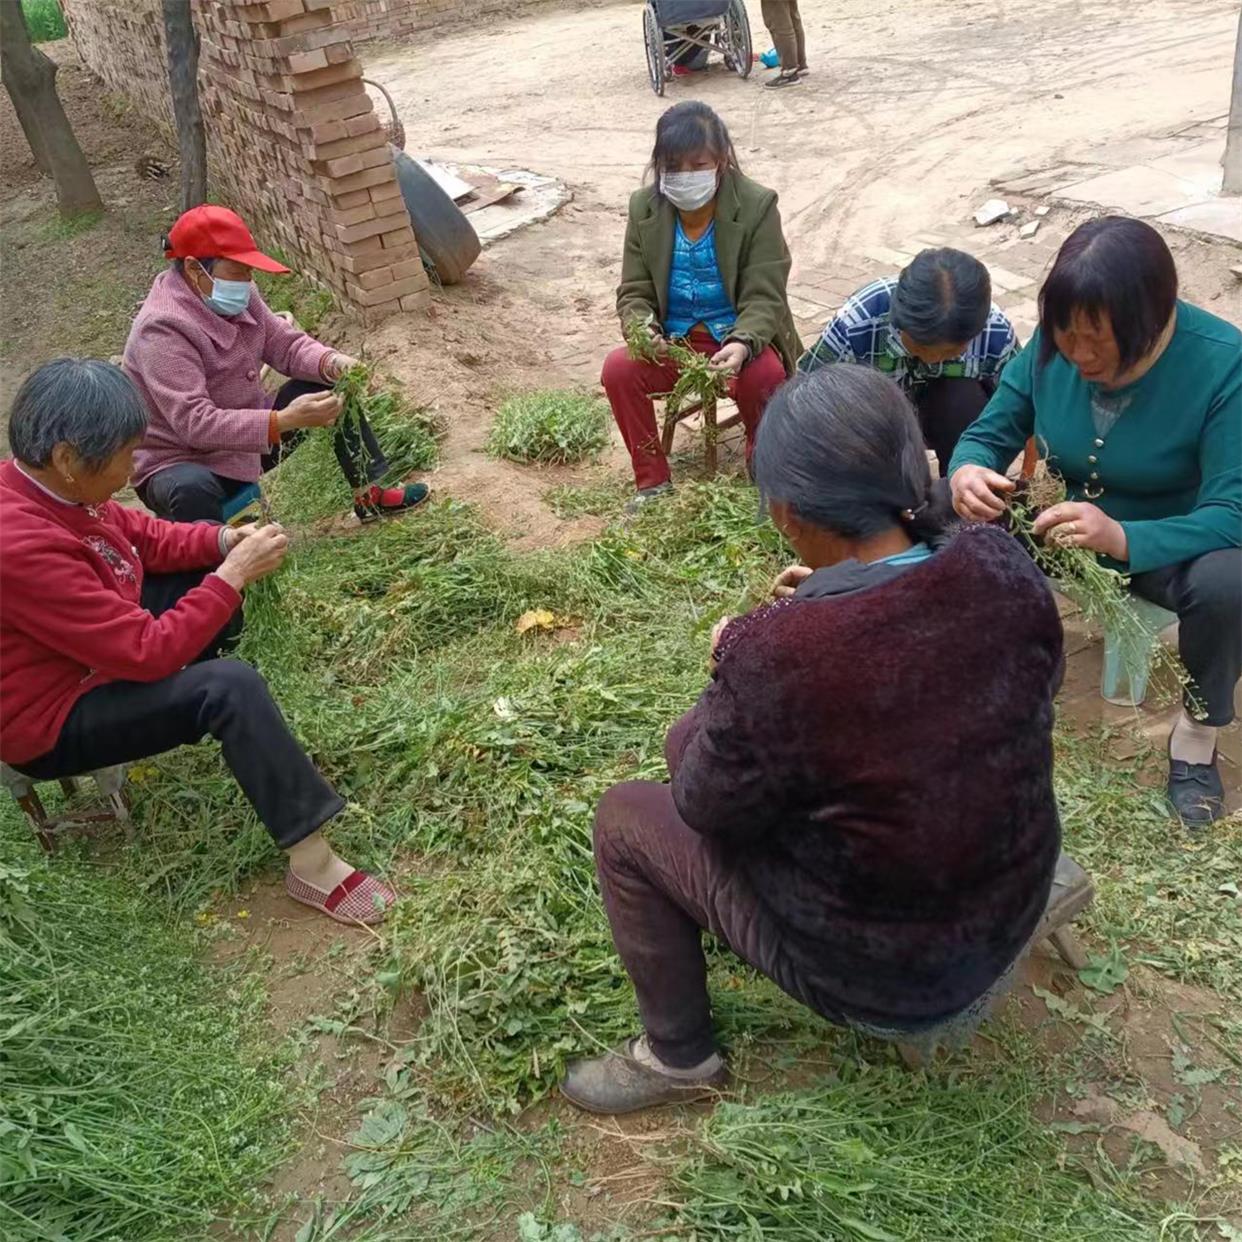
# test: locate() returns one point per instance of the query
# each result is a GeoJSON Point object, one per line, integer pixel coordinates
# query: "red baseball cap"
{"type": "Point", "coordinates": [209, 232]}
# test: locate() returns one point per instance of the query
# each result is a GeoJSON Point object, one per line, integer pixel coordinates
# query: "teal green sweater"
{"type": "Point", "coordinates": [1169, 469]}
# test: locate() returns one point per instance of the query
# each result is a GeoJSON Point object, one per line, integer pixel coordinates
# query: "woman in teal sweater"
{"type": "Point", "coordinates": [1136, 398]}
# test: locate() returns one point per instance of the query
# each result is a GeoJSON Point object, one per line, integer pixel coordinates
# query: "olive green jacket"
{"type": "Point", "coordinates": [751, 251]}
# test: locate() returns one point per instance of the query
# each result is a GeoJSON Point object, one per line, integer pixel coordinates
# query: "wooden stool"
{"type": "Point", "coordinates": [711, 429]}
{"type": "Point", "coordinates": [109, 781]}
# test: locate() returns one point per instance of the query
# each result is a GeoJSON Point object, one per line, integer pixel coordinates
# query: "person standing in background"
{"type": "Point", "coordinates": [784, 24]}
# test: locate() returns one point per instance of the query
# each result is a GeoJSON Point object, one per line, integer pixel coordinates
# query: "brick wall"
{"type": "Point", "coordinates": [294, 141]}
{"type": "Point", "coordinates": [398, 19]}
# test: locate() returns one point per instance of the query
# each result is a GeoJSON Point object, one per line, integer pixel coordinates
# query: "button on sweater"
{"type": "Point", "coordinates": [1163, 456]}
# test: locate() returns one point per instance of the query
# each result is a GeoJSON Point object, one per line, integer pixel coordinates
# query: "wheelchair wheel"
{"type": "Point", "coordinates": [735, 39]}
{"type": "Point", "coordinates": [653, 38]}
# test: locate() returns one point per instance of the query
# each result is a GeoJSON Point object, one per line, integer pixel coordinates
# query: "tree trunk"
{"type": "Point", "coordinates": [30, 128]}
{"type": "Point", "coordinates": [181, 41]}
{"type": "Point", "coordinates": [1233, 144]}
{"type": "Point", "coordinates": [30, 78]}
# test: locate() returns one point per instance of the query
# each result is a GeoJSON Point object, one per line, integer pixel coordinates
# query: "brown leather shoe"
{"type": "Point", "coordinates": [617, 1083]}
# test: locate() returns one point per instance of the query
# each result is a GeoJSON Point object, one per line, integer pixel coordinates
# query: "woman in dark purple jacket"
{"type": "Point", "coordinates": [861, 803]}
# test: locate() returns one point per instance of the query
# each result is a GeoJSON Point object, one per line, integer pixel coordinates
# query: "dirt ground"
{"type": "Point", "coordinates": [912, 110]}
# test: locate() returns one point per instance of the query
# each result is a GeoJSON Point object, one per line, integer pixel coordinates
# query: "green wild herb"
{"type": "Point", "coordinates": [1100, 592]}
{"type": "Point", "coordinates": [308, 485]}
{"type": "Point", "coordinates": [553, 427]}
{"type": "Point", "coordinates": [44, 20]}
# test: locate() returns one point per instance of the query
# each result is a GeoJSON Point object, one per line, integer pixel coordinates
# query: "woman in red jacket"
{"type": "Point", "coordinates": [112, 622]}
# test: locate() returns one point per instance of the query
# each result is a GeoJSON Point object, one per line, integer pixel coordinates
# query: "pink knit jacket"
{"type": "Point", "coordinates": [198, 373]}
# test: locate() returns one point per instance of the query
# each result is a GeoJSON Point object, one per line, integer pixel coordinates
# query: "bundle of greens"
{"type": "Point", "coordinates": [308, 486]}
{"type": "Point", "coordinates": [697, 382]}
{"type": "Point", "coordinates": [1101, 593]}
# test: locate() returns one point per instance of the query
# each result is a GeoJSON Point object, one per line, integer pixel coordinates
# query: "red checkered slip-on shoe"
{"type": "Point", "coordinates": [353, 900]}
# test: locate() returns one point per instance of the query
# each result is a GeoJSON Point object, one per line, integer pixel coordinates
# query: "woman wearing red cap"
{"type": "Point", "coordinates": [196, 350]}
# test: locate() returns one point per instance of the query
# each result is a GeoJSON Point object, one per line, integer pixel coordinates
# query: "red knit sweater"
{"type": "Point", "coordinates": [70, 612]}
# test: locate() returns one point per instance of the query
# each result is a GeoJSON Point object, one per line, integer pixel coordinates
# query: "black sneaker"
{"type": "Point", "coordinates": [371, 510]}
{"type": "Point", "coordinates": [1196, 793]}
{"type": "Point", "coordinates": [783, 79]}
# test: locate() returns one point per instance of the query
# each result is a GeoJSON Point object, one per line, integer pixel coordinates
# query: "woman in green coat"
{"type": "Point", "coordinates": [705, 260]}
{"type": "Point", "coordinates": [1136, 397]}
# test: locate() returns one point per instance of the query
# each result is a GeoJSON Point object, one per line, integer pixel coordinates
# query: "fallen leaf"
{"type": "Point", "coordinates": [536, 618]}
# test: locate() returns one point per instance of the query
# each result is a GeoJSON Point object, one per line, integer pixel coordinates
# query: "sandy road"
{"type": "Point", "coordinates": [911, 109]}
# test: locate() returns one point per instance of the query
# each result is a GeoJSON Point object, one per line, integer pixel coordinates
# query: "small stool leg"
{"type": "Point", "coordinates": [671, 418]}
{"type": "Point", "coordinates": [1069, 947]}
{"type": "Point", "coordinates": [36, 816]}
{"type": "Point", "coordinates": [69, 785]}
{"type": "Point", "coordinates": [709, 436]}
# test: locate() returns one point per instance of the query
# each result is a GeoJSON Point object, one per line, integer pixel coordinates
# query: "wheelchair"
{"type": "Point", "coordinates": [678, 32]}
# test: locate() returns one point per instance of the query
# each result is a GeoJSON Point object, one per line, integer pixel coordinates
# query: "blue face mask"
{"type": "Point", "coordinates": [228, 297]}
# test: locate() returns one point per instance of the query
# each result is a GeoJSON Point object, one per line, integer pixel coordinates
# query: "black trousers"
{"type": "Point", "coordinates": [125, 721]}
{"type": "Point", "coordinates": [1206, 594]}
{"type": "Point", "coordinates": [189, 492]}
{"type": "Point", "coordinates": [946, 407]}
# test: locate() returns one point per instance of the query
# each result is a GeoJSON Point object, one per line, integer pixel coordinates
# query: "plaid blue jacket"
{"type": "Point", "coordinates": [862, 331]}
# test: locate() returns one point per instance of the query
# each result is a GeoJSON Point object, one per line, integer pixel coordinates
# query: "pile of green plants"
{"type": "Point", "coordinates": [880, 1155]}
{"type": "Point", "coordinates": [473, 750]}
{"type": "Point", "coordinates": [550, 426]}
{"type": "Point", "coordinates": [136, 1097]}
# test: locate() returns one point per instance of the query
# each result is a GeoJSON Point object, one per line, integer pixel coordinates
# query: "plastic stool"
{"type": "Point", "coordinates": [109, 781]}
{"type": "Point", "coordinates": [242, 500]}
{"type": "Point", "coordinates": [1127, 660]}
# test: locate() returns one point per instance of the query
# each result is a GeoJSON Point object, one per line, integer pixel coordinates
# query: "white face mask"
{"type": "Point", "coordinates": [688, 191]}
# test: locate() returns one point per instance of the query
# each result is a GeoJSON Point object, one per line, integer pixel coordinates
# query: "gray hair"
{"type": "Point", "coordinates": [842, 446]}
{"type": "Point", "coordinates": [943, 297]}
{"type": "Point", "coordinates": [87, 404]}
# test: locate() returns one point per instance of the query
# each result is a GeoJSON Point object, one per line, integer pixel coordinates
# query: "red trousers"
{"type": "Point", "coordinates": [630, 385]}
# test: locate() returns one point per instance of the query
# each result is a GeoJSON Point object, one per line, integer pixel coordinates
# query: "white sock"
{"type": "Point", "coordinates": [640, 1050]}
{"type": "Point", "coordinates": [1192, 742]}
{"type": "Point", "coordinates": [314, 861]}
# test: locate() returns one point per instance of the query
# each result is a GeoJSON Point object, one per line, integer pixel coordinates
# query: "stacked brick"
{"type": "Point", "coordinates": [398, 19]}
{"type": "Point", "coordinates": [288, 115]}
{"type": "Point", "coordinates": [122, 42]}
{"type": "Point", "coordinates": [292, 134]}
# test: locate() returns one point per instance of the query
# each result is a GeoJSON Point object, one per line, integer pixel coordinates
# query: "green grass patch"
{"type": "Point", "coordinates": [61, 228]}
{"type": "Point", "coordinates": [1170, 898]}
{"type": "Point", "coordinates": [549, 426]}
{"type": "Point", "coordinates": [603, 498]}
{"type": "Point", "coordinates": [416, 1175]}
{"type": "Point", "coordinates": [44, 20]}
{"type": "Point", "coordinates": [135, 1095]}
{"type": "Point", "coordinates": [886, 1156]}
